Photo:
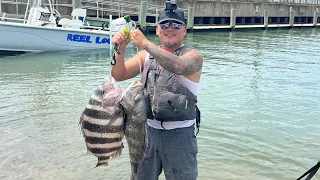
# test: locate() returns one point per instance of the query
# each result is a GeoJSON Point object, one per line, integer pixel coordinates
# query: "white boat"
{"type": "Point", "coordinates": [44, 31]}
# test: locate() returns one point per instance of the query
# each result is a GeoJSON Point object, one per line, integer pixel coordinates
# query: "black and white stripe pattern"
{"type": "Point", "coordinates": [103, 127]}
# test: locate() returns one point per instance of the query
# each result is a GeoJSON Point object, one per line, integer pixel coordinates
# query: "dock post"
{"type": "Point", "coordinates": [143, 15]}
{"type": "Point", "coordinates": [119, 12]}
{"type": "Point", "coordinates": [315, 18]}
{"type": "Point", "coordinates": [233, 18]}
{"type": "Point", "coordinates": [190, 17]}
{"type": "Point", "coordinates": [0, 6]}
{"type": "Point", "coordinates": [291, 20]}
{"type": "Point", "coordinates": [157, 15]}
{"type": "Point", "coordinates": [76, 3]}
{"type": "Point", "coordinates": [265, 19]}
{"type": "Point", "coordinates": [17, 7]}
{"type": "Point", "coordinates": [97, 8]}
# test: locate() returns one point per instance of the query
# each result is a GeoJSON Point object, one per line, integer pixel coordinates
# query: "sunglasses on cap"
{"type": "Point", "coordinates": [175, 25]}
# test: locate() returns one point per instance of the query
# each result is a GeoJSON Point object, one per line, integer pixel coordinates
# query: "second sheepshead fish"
{"type": "Point", "coordinates": [135, 108]}
{"type": "Point", "coordinates": [102, 122]}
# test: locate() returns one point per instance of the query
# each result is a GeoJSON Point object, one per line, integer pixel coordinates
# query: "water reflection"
{"type": "Point", "coordinates": [231, 35]}
{"type": "Point", "coordinates": [8, 53]}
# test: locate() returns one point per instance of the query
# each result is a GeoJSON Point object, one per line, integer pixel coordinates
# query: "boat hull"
{"type": "Point", "coordinates": [28, 38]}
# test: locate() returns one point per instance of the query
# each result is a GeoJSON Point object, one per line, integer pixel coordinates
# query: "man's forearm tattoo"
{"type": "Point", "coordinates": [181, 65]}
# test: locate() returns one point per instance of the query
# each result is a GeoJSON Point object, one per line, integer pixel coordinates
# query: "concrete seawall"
{"type": "Point", "coordinates": [199, 14]}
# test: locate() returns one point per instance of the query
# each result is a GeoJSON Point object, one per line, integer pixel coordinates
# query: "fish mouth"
{"type": "Point", "coordinates": [136, 84]}
{"type": "Point", "coordinates": [112, 93]}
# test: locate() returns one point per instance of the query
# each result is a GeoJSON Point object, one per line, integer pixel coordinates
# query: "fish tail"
{"type": "Point", "coordinates": [81, 123]}
{"type": "Point", "coordinates": [100, 164]}
{"type": "Point", "coordinates": [103, 161]}
{"type": "Point", "coordinates": [133, 176]}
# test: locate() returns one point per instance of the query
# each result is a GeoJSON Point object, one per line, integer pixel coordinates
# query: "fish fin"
{"type": "Point", "coordinates": [133, 176]}
{"type": "Point", "coordinates": [107, 165]}
{"type": "Point", "coordinates": [117, 154]}
{"type": "Point", "coordinates": [99, 164]}
{"type": "Point", "coordinates": [125, 121]}
{"type": "Point", "coordinates": [88, 152]}
{"type": "Point", "coordinates": [81, 122]}
{"type": "Point", "coordinates": [145, 137]}
{"type": "Point", "coordinates": [136, 98]}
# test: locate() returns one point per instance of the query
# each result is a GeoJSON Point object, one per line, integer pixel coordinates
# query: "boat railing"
{"type": "Point", "coordinates": [5, 18]}
{"type": "Point", "coordinates": [99, 10]}
{"type": "Point", "coordinates": [20, 20]}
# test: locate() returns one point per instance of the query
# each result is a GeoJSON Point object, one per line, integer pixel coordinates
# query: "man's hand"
{"type": "Point", "coordinates": [138, 39]}
{"type": "Point", "coordinates": [120, 39]}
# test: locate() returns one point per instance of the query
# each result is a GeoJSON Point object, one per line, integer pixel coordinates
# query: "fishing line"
{"type": "Point", "coordinates": [140, 67]}
{"type": "Point", "coordinates": [126, 30]}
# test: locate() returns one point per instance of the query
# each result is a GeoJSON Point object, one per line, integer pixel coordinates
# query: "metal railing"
{"type": "Point", "coordinates": [105, 7]}
{"type": "Point", "coordinates": [122, 8]}
{"type": "Point", "coordinates": [102, 7]}
{"type": "Point", "coordinates": [307, 2]}
{"type": "Point", "coordinates": [314, 2]}
{"type": "Point", "coordinates": [17, 3]}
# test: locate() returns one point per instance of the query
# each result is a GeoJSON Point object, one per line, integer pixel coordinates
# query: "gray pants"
{"type": "Point", "coordinates": [173, 150]}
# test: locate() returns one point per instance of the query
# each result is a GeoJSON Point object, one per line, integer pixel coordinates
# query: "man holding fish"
{"type": "Point", "coordinates": [170, 77]}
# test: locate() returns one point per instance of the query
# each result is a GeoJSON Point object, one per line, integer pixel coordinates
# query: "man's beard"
{"type": "Point", "coordinates": [170, 44]}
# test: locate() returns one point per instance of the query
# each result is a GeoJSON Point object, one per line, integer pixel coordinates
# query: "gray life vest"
{"type": "Point", "coordinates": [167, 98]}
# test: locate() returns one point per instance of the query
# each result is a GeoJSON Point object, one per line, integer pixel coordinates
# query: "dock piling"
{"type": "Point", "coordinates": [190, 17]}
{"type": "Point", "coordinates": [157, 15]}
{"type": "Point", "coordinates": [76, 3]}
{"type": "Point", "coordinates": [143, 15]}
{"type": "Point", "coordinates": [315, 17]}
{"type": "Point", "coordinates": [291, 20]}
{"type": "Point", "coordinates": [233, 18]}
{"type": "Point", "coordinates": [265, 19]}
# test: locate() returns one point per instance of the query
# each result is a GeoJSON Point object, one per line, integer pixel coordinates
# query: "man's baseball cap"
{"type": "Point", "coordinates": [176, 15]}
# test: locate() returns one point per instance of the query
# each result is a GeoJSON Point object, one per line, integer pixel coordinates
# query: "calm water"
{"type": "Point", "coordinates": [259, 97]}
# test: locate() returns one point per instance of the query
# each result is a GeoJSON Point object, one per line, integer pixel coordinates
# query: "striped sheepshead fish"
{"type": "Point", "coordinates": [135, 108]}
{"type": "Point", "coordinates": [102, 122]}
